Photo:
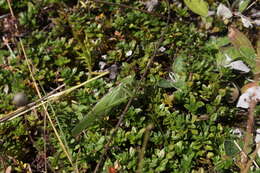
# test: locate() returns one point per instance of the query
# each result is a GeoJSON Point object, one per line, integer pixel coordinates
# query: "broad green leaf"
{"type": "Point", "coordinates": [163, 83]}
{"type": "Point", "coordinates": [231, 51]}
{"type": "Point", "coordinates": [199, 7]}
{"type": "Point", "coordinates": [178, 84]}
{"type": "Point", "coordinates": [243, 45]}
{"type": "Point", "coordinates": [220, 42]}
{"type": "Point", "coordinates": [230, 148]}
{"type": "Point", "coordinates": [115, 97]}
{"type": "Point", "coordinates": [249, 54]}
{"type": "Point", "coordinates": [243, 5]}
{"type": "Point", "coordinates": [179, 66]}
{"type": "Point", "coordinates": [239, 40]}
{"type": "Point", "coordinates": [193, 105]}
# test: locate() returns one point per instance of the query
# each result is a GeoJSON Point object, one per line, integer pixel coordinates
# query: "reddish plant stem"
{"type": "Point", "coordinates": [248, 137]}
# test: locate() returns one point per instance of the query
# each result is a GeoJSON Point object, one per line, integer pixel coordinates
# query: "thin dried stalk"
{"type": "Point", "coordinates": [249, 136]}
{"type": "Point", "coordinates": [40, 96]}
{"type": "Point", "coordinates": [141, 154]}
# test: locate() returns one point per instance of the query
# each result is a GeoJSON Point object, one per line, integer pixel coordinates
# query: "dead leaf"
{"type": "Point", "coordinates": [168, 99]}
{"type": "Point", "coordinates": [243, 46]}
{"type": "Point", "coordinates": [238, 39]}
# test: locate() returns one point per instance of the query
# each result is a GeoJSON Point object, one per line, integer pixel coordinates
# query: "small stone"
{"type": "Point", "coordinates": [113, 71]}
{"type": "Point", "coordinates": [20, 99]}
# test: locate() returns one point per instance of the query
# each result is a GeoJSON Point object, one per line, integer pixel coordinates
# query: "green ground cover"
{"type": "Point", "coordinates": [164, 98]}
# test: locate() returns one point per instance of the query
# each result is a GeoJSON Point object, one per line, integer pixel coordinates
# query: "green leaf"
{"type": "Point", "coordinates": [163, 83]}
{"type": "Point", "coordinates": [243, 45]}
{"type": "Point", "coordinates": [60, 61]}
{"type": "Point", "coordinates": [230, 148]}
{"type": "Point", "coordinates": [199, 7]}
{"type": "Point", "coordinates": [115, 97]}
{"type": "Point", "coordinates": [220, 42]}
{"type": "Point", "coordinates": [179, 65]}
{"type": "Point", "coordinates": [193, 105]}
{"type": "Point", "coordinates": [243, 5]}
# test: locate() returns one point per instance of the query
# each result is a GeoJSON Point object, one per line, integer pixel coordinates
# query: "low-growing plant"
{"type": "Point", "coordinates": [168, 107]}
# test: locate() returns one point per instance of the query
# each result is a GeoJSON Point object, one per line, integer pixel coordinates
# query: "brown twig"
{"type": "Point", "coordinates": [141, 153]}
{"type": "Point", "coordinates": [248, 137]}
{"type": "Point", "coordinates": [40, 96]}
{"type": "Point", "coordinates": [245, 155]}
{"type": "Point", "coordinates": [107, 146]}
{"type": "Point", "coordinates": [252, 160]}
{"type": "Point", "coordinates": [112, 135]}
